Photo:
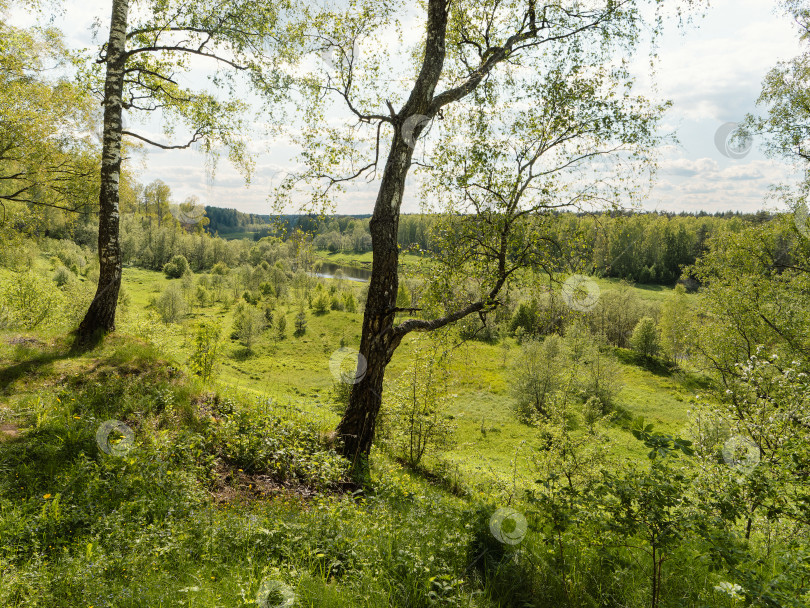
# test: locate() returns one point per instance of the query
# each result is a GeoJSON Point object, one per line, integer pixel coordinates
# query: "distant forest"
{"type": "Point", "coordinates": [644, 247]}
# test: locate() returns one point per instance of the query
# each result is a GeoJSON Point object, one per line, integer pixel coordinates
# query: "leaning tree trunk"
{"type": "Point", "coordinates": [378, 339]}
{"type": "Point", "coordinates": [101, 315]}
{"type": "Point", "coordinates": [377, 342]}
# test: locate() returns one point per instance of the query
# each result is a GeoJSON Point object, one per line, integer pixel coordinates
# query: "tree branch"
{"type": "Point", "coordinates": [197, 135]}
{"type": "Point", "coordinates": [183, 49]}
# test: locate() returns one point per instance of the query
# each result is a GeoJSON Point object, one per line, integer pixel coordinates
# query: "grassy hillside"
{"type": "Point", "coordinates": [297, 369]}
{"type": "Point", "coordinates": [223, 496]}
{"type": "Point", "coordinates": [229, 493]}
{"type": "Point", "coordinates": [218, 498]}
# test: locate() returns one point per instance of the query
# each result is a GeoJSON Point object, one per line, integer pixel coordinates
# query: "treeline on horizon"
{"type": "Point", "coordinates": [643, 247]}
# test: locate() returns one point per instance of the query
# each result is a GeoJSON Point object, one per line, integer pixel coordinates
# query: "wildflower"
{"type": "Point", "coordinates": [730, 589]}
{"type": "Point", "coordinates": [47, 496]}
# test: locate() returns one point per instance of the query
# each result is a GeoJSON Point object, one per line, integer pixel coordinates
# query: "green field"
{"type": "Point", "coordinates": [296, 369]}
{"type": "Point", "coordinates": [189, 517]}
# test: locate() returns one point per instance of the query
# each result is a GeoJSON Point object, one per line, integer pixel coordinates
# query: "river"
{"type": "Point", "coordinates": [328, 270]}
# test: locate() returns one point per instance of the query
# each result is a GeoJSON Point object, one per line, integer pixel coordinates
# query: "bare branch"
{"type": "Point", "coordinates": [197, 136]}
{"type": "Point", "coordinates": [184, 49]}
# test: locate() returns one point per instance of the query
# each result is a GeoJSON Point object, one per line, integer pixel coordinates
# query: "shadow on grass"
{"type": "Point", "coordinates": [444, 477]}
{"type": "Point", "coordinates": [621, 416]}
{"type": "Point", "coordinates": [651, 364]}
{"type": "Point", "coordinates": [32, 361]}
{"type": "Point", "coordinates": [29, 364]}
{"type": "Point", "coordinates": [242, 354]}
{"type": "Point", "coordinates": [693, 381]}
{"type": "Point", "coordinates": [510, 576]}
{"type": "Point", "coordinates": [652, 287]}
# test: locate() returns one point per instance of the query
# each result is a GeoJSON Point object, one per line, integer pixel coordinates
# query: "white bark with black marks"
{"type": "Point", "coordinates": [100, 316]}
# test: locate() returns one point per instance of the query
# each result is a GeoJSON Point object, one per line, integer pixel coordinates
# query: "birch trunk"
{"type": "Point", "coordinates": [378, 342]}
{"type": "Point", "coordinates": [101, 315]}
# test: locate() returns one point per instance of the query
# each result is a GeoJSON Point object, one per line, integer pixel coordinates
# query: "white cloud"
{"type": "Point", "coordinates": [689, 167]}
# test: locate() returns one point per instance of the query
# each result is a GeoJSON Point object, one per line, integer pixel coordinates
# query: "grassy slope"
{"type": "Point", "coordinates": [216, 549]}
{"type": "Point", "coordinates": [297, 370]}
{"type": "Point", "coordinates": [159, 526]}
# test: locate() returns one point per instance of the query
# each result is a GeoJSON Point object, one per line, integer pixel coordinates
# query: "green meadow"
{"type": "Point", "coordinates": [228, 491]}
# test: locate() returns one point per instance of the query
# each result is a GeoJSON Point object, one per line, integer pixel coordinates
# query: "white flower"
{"type": "Point", "coordinates": [731, 589]}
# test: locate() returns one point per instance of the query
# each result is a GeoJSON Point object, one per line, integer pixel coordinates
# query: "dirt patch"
{"type": "Point", "coordinates": [25, 341]}
{"type": "Point", "coordinates": [9, 431]}
{"type": "Point", "coordinates": [237, 486]}
{"type": "Point", "coordinates": [206, 405]}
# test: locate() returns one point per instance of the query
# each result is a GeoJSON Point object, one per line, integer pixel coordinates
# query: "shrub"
{"type": "Point", "coordinates": [336, 303]}
{"type": "Point", "coordinates": [538, 373]}
{"type": "Point", "coordinates": [594, 371]}
{"type": "Point", "coordinates": [301, 323]}
{"type": "Point", "coordinates": [600, 379]}
{"type": "Point", "coordinates": [220, 269]}
{"type": "Point", "coordinates": [170, 305]}
{"type": "Point", "coordinates": [281, 327]}
{"type": "Point", "coordinates": [416, 422]}
{"type": "Point", "coordinates": [250, 298]}
{"type": "Point", "coordinates": [202, 295]}
{"type": "Point", "coordinates": [176, 267]}
{"type": "Point", "coordinates": [248, 324]}
{"type": "Point", "coordinates": [525, 317]}
{"type": "Point", "coordinates": [350, 302]}
{"type": "Point", "coordinates": [70, 254]}
{"type": "Point", "coordinates": [646, 340]}
{"type": "Point", "coordinates": [321, 304]}
{"type": "Point", "coordinates": [592, 412]}
{"type": "Point", "coordinates": [29, 301]}
{"type": "Point", "coordinates": [63, 276]}
{"type": "Point", "coordinates": [189, 290]}
{"type": "Point", "coordinates": [675, 326]}
{"type": "Point", "coordinates": [617, 313]}
{"type": "Point", "coordinates": [206, 350]}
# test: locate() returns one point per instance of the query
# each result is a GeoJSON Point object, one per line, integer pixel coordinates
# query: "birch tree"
{"type": "Point", "coordinates": [466, 50]}
{"type": "Point", "coordinates": [44, 158]}
{"type": "Point", "coordinates": [150, 44]}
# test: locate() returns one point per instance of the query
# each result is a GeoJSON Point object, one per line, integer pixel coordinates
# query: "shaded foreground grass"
{"type": "Point", "coordinates": [221, 492]}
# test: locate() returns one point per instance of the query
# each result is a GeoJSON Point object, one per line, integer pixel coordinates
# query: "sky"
{"type": "Point", "coordinates": [713, 75]}
{"type": "Point", "coordinates": [711, 71]}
